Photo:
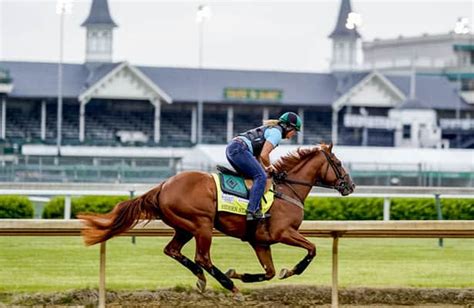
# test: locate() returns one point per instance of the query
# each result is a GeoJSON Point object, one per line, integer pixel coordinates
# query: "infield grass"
{"type": "Point", "coordinates": [42, 264]}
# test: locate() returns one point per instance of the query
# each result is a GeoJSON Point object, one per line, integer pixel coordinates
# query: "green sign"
{"type": "Point", "coordinates": [5, 76]}
{"type": "Point", "coordinates": [463, 47]}
{"type": "Point", "coordinates": [245, 94]}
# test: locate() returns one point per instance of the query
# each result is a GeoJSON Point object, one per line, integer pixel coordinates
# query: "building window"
{"type": "Point", "coordinates": [467, 84]}
{"type": "Point", "coordinates": [93, 41]}
{"type": "Point", "coordinates": [101, 45]}
{"type": "Point", "coordinates": [472, 57]}
{"type": "Point", "coordinates": [340, 51]}
{"type": "Point", "coordinates": [406, 131]}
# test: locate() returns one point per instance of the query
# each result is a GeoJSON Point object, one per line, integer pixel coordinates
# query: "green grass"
{"type": "Point", "coordinates": [41, 264]}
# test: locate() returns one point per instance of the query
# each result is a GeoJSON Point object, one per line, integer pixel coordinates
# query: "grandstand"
{"type": "Point", "coordinates": [118, 116]}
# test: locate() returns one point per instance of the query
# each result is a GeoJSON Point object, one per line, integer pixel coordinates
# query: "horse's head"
{"type": "Point", "coordinates": [333, 174]}
{"type": "Point", "coordinates": [315, 166]}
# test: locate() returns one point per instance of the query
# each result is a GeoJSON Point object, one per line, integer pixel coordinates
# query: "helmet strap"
{"type": "Point", "coordinates": [285, 128]}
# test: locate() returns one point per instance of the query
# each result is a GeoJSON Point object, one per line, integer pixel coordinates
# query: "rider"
{"type": "Point", "coordinates": [249, 154]}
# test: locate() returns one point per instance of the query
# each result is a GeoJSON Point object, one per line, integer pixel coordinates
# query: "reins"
{"type": "Point", "coordinates": [282, 178]}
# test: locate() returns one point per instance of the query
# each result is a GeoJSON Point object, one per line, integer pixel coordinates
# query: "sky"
{"type": "Point", "coordinates": [255, 35]}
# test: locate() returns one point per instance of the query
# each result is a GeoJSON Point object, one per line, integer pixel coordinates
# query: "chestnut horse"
{"type": "Point", "coordinates": [187, 203]}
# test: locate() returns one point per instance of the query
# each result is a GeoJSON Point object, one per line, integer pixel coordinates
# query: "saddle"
{"type": "Point", "coordinates": [233, 193]}
{"type": "Point", "coordinates": [236, 184]}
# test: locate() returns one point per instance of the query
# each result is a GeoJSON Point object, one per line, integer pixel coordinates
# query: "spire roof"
{"type": "Point", "coordinates": [99, 14]}
{"type": "Point", "coordinates": [340, 30]}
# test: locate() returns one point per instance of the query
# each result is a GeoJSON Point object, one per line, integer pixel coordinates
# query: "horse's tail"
{"type": "Point", "coordinates": [125, 215]}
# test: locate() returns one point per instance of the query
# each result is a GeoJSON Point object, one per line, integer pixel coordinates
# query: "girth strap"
{"type": "Point", "coordinates": [294, 201]}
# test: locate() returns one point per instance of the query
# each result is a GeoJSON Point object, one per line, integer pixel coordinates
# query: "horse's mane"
{"type": "Point", "coordinates": [288, 161]}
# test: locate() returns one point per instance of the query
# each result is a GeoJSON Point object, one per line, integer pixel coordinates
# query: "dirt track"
{"type": "Point", "coordinates": [280, 296]}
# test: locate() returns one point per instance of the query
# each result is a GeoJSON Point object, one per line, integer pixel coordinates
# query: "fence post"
{"type": "Point", "coordinates": [334, 293]}
{"type": "Point", "coordinates": [67, 207]}
{"type": "Point", "coordinates": [386, 208]}
{"type": "Point", "coordinates": [440, 215]}
{"type": "Point", "coordinates": [132, 195]}
{"type": "Point", "coordinates": [102, 276]}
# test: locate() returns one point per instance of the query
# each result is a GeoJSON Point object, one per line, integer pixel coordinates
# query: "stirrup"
{"type": "Point", "coordinates": [258, 215]}
{"type": "Point", "coordinates": [250, 216]}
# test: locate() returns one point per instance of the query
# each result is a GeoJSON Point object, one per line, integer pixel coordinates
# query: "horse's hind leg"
{"type": "Point", "coordinates": [294, 238]}
{"type": "Point", "coordinates": [173, 249]}
{"type": "Point", "coordinates": [264, 255]}
{"type": "Point", "coordinates": [203, 258]}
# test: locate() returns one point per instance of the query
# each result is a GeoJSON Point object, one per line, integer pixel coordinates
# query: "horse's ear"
{"type": "Point", "coordinates": [330, 147]}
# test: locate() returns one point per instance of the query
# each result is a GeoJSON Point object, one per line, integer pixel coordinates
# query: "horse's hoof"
{"type": "Point", "coordinates": [283, 273]}
{"type": "Point", "coordinates": [238, 297]}
{"type": "Point", "coordinates": [230, 273]}
{"type": "Point", "coordinates": [201, 285]}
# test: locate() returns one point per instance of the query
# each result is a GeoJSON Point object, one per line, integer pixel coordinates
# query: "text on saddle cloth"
{"type": "Point", "coordinates": [231, 197]}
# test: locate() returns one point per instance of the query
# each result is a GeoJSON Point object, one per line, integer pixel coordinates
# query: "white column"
{"type": "Point", "coordinates": [335, 121]}
{"type": "Point", "coordinates": [301, 133]}
{"type": "Point", "coordinates": [194, 125]}
{"type": "Point", "coordinates": [230, 123]}
{"type": "Point", "coordinates": [4, 117]}
{"type": "Point", "coordinates": [43, 120]}
{"type": "Point", "coordinates": [157, 124]}
{"type": "Point", "coordinates": [414, 134]}
{"type": "Point", "coordinates": [82, 121]}
{"type": "Point", "coordinates": [398, 134]}
{"type": "Point", "coordinates": [265, 114]}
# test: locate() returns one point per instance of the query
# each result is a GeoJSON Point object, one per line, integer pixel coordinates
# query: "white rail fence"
{"type": "Point", "coordinates": [42, 191]}
{"type": "Point", "coordinates": [334, 229]}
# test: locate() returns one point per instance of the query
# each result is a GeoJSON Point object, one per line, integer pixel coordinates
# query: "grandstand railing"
{"type": "Point", "coordinates": [334, 229]}
{"type": "Point", "coordinates": [35, 171]}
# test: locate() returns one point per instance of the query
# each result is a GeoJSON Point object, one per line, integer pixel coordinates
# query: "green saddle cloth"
{"type": "Point", "coordinates": [234, 185]}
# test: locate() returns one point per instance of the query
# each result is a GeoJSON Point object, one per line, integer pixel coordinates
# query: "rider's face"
{"type": "Point", "coordinates": [290, 133]}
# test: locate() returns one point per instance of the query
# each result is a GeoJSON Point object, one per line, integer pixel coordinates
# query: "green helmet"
{"type": "Point", "coordinates": [291, 119]}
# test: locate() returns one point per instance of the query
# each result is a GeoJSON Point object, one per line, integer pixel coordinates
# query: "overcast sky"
{"type": "Point", "coordinates": [263, 35]}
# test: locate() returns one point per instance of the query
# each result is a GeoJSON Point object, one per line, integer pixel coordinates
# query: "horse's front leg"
{"type": "Point", "coordinates": [264, 255]}
{"type": "Point", "coordinates": [294, 238]}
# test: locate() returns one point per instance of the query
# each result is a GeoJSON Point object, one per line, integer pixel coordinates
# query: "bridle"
{"type": "Point", "coordinates": [342, 181]}
{"type": "Point", "coordinates": [341, 184]}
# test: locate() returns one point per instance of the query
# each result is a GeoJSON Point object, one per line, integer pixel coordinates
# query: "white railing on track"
{"type": "Point", "coordinates": [36, 191]}
{"type": "Point", "coordinates": [334, 229]}
{"type": "Point", "coordinates": [81, 189]}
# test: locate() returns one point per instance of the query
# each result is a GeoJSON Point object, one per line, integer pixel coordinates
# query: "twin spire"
{"type": "Point", "coordinates": [344, 41]}
{"type": "Point", "coordinates": [99, 41]}
{"type": "Point", "coordinates": [341, 30]}
{"type": "Point", "coordinates": [99, 38]}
